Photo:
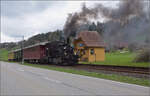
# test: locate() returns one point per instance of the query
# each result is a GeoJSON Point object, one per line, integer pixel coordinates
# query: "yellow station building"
{"type": "Point", "coordinates": [89, 46]}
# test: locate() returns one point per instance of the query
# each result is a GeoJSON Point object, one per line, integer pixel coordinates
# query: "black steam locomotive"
{"type": "Point", "coordinates": [60, 53]}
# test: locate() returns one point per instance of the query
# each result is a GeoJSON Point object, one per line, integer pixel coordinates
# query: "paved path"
{"type": "Point", "coordinates": [20, 80]}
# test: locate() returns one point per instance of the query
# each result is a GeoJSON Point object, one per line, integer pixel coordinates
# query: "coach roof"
{"type": "Point", "coordinates": [37, 44]}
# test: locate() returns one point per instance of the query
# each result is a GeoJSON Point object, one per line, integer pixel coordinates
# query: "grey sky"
{"type": "Point", "coordinates": [28, 18]}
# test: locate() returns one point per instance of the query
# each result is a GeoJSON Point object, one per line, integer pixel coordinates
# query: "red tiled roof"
{"type": "Point", "coordinates": [91, 38]}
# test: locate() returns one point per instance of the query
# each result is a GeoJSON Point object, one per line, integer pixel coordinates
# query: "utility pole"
{"type": "Point", "coordinates": [148, 9]}
{"type": "Point", "coordinates": [22, 46]}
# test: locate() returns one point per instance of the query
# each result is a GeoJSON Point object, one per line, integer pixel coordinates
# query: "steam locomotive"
{"type": "Point", "coordinates": [55, 52]}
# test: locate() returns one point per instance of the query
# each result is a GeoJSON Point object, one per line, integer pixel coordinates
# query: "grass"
{"type": "Point", "coordinates": [120, 59]}
{"type": "Point", "coordinates": [3, 54]}
{"type": "Point", "coordinates": [132, 80]}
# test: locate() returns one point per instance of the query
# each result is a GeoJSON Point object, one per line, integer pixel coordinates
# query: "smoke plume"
{"type": "Point", "coordinates": [129, 20]}
{"type": "Point", "coordinates": [75, 20]}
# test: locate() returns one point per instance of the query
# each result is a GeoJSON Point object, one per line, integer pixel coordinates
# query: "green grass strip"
{"type": "Point", "coordinates": [3, 54]}
{"type": "Point", "coordinates": [120, 59]}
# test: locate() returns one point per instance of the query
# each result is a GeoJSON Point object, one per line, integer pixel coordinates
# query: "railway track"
{"type": "Point", "coordinates": [139, 72]}
{"type": "Point", "coordinates": [125, 69]}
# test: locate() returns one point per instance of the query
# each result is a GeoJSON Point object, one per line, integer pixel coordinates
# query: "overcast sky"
{"type": "Point", "coordinates": [28, 18]}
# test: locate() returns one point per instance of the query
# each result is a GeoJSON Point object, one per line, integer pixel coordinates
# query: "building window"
{"type": "Point", "coordinates": [80, 45]}
{"type": "Point", "coordinates": [92, 51]}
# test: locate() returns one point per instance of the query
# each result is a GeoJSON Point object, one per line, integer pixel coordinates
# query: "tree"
{"type": "Point", "coordinates": [147, 40]}
{"type": "Point", "coordinates": [93, 27]}
{"type": "Point", "coordinates": [100, 28]}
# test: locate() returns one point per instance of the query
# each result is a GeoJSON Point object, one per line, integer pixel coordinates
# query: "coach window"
{"type": "Point", "coordinates": [92, 51]}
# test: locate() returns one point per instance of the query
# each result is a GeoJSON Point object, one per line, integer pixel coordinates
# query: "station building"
{"type": "Point", "coordinates": [89, 46]}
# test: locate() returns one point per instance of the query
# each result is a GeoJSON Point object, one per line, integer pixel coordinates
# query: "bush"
{"type": "Point", "coordinates": [133, 47]}
{"type": "Point", "coordinates": [143, 55]}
